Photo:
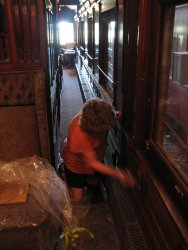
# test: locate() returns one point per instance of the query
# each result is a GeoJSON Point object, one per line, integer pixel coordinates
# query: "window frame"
{"type": "Point", "coordinates": [160, 51]}
{"type": "Point", "coordinates": [104, 78]}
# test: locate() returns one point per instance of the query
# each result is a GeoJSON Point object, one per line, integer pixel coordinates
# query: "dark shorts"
{"type": "Point", "coordinates": [76, 180]}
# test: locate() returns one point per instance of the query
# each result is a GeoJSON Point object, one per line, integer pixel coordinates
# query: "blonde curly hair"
{"type": "Point", "coordinates": [96, 114]}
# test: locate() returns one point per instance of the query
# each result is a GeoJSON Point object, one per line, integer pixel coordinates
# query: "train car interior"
{"type": "Point", "coordinates": [54, 56]}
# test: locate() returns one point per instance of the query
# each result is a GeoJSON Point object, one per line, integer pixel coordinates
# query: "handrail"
{"type": "Point", "coordinates": [90, 57]}
{"type": "Point", "coordinates": [97, 85]}
{"type": "Point", "coordinates": [82, 48]}
{"type": "Point", "coordinates": [107, 77]}
{"type": "Point", "coordinates": [88, 69]}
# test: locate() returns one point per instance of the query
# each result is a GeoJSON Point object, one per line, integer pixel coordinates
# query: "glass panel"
{"type": "Point", "coordinates": [96, 41]}
{"type": "Point", "coordinates": [66, 33]}
{"type": "Point", "coordinates": [107, 48]}
{"type": "Point", "coordinates": [86, 34]}
{"type": "Point", "coordinates": [110, 55]}
{"type": "Point", "coordinates": [173, 121]}
{"type": "Point", "coordinates": [90, 42]}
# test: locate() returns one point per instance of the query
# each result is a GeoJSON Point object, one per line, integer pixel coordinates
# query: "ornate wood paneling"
{"type": "Point", "coordinates": [25, 19]}
{"type": "Point", "coordinates": [23, 91]}
{"type": "Point", "coordinates": [22, 34]}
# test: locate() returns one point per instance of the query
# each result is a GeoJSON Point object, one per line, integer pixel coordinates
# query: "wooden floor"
{"type": "Point", "coordinates": [94, 214]}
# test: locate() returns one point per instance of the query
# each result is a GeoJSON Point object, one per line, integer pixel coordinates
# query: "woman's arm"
{"type": "Point", "coordinates": [123, 176]}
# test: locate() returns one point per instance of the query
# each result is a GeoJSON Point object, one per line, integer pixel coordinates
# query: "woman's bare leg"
{"type": "Point", "coordinates": [77, 194]}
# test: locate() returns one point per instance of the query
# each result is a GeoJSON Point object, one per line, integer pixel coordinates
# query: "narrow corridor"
{"type": "Point", "coordinates": [94, 214]}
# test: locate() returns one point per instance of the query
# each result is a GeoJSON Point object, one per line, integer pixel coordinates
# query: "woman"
{"type": "Point", "coordinates": [86, 145]}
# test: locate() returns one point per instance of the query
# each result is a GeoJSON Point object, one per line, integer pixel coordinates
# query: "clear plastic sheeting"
{"type": "Point", "coordinates": [35, 205]}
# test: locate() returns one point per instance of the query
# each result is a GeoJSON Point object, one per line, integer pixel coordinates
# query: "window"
{"type": "Point", "coordinates": [107, 40]}
{"type": "Point", "coordinates": [110, 52]}
{"type": "Point", "coordinates": [90, 42]}
{"type": "Point", "coordinates": [173, 126]}
{"type": "Point", "coordinates": [96, 41]}
{"type": "Point", "coordinates": [171, 132]}
{"type": "Point", "coordinates": [66, 33]}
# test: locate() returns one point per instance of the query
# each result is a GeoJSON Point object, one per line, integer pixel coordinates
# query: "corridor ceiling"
{"type": "Point", "coordinates": [69, 2]}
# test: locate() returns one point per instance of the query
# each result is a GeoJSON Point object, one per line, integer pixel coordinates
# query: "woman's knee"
{"type": "Point", "coordinates": [77, 194]}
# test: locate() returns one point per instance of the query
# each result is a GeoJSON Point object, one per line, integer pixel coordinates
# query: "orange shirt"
{"type": "Point", "coordinates": [78, 142]}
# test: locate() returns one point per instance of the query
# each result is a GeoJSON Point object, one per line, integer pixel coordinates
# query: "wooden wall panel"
{"type": "Point", "coordinates": [22, 35]}
{"type": "Point", "coordinates": [34, 32]}
{"type": "Point", "coordinates": [26, 28]}
{"type": "Point", "coordinates": [24, 49]}
{"type": "Point", "coordinates": [18, 31]}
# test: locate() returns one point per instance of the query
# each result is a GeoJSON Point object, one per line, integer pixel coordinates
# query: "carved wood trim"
{"type": "Point", "coordinates": [40, 102]}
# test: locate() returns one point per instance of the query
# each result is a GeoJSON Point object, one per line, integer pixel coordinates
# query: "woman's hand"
{"type": "Point", "coordinates": [125, 178]}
